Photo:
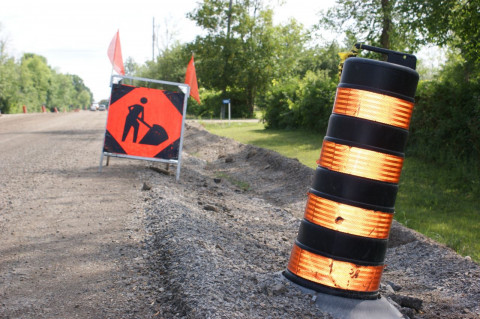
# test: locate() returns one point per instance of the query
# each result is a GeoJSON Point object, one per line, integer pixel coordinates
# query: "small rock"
{"type": "Point", "coordinates": [409, 302]}
{"type": "Point", "coordinates": [394, 286]}
{"type": "Point", "coordinates": [251, 153]}
{"type": "Point", "coordinates": [408, 313]}
{"type": "Point", "coordinates": [210, 208]}
{"type": "Point", "coordinates": [146, 187]}
{"type": "Point", "coordinates": [229, 159]}
{"type": "Point", "coordinates": [217, 180]}
{"type": "Point", "coordinates": [389, 289]}
{"type": "Point", "coordinates": [396, 305]}
{"type": "Point", "coordinates": [161, 170]}
{"type": "Point", "coordinates": [278, 289]}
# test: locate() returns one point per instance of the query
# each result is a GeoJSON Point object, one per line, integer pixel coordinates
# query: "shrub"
{"type": "Point", "coordinates": [212, 102]}
{"type": "Point", "coordinates": [316, 95]}
{"type": "Point", "coordinates": [278, 104]}
{"type": "Point", "coordinates": [446, 121]}
{"type": "Point", "coordinates": [300, 103]}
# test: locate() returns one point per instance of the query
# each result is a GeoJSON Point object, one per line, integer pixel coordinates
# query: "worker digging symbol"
{"type": "Point", "coordinates": [156, 133]}
{"type": "Point", "coordinates": [135, 113]}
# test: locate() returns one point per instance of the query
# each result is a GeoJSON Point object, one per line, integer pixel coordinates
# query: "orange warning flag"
{"type": "Point", "coordinates": [115, 54]}
{"type": "Point", "coordinates": [191, 79]}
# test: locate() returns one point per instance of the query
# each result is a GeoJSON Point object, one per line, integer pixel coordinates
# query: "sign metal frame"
{"type": "Point", "coordinates": [185, 88]}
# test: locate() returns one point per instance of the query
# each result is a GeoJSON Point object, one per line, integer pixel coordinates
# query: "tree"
{"type": "Point", "coordinates": [170, 65]}
{"type": "Point", "coordinates": [372, 21]}
{"type": "Point", "coordinates": [402, 25]}
{"type": "Point", "coordinates": [464, 23]}
{"type": "Point", "coordinates": [84, 99]}
{"type": "Point", "coordinates": [319, 58]}
{"type": "Point", "coordinates": [61, 92]}
{"type": "Point", "coordinates": [242, 50]}
{"type": "Point", "coordinates": [34, 80]}
{"type": "Point", "coordinates": [166, 34]}
{"type": "Point", "coordinates": [448, 22]}
{"type": "Point", "coordinates": [406, 25]}
{"type": "Point", "coordinates": [131, 67]}
{"type": "Point", "coordinates": [33, 83]}
{"type": "Point", "coordinates": [9, 84]}
{"type": "Point", "coordinates": [82, 95]}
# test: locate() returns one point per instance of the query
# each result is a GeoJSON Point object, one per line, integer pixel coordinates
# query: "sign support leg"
{"type": "Point", "coordinates": [101, 163]}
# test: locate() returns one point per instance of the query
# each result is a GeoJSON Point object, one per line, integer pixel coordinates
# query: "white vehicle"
{"type": "Point", "coordinates": [102, 107]}
{"type": "Point", "coordinates": [94, 107]}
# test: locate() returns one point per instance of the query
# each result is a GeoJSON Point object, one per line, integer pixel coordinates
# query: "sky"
{"type": "Point", "coordinates": [74, 36]}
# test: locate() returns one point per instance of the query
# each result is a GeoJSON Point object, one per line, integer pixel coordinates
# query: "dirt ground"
{"type": "Point", "coordinates": [130, 242]}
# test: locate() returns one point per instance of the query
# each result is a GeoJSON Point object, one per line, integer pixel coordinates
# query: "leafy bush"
{"type": "Point", "coordinates": [300, 103]}
{"type": "Point", "coordinates": [446, 119]}
{"type": "Point", "coordinates": [316, 95]}
{"type": "Point", "coordinates": [210, 107]}
{"type": "Point", "coordinates": [278, 102]}
{"type": "Point", "coordinates": [212, 102]}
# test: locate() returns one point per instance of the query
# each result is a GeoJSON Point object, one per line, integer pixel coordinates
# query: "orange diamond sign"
{"type": "Point", "coordinates": [144, 122]}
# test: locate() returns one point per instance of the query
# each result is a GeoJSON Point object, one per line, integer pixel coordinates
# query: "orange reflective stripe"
{"type": "Point", "coordinates": [373, 106]}
{"type": "Point", "coordinates": [334, 273]}
{"type": "Point", "coordinates": [360, 162]}
{"type": "Point", "coordinates": [347, 219]}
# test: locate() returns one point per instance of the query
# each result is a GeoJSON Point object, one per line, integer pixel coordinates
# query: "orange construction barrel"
{"type": "Point", "coordinates": [341, 244]}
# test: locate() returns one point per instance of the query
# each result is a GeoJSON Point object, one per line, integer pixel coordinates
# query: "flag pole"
{"type": "Point", "coordinates": [117, 40]}
{"type": "Point", "coordinates": [115, 50]}
{"type": "Point", "coordinates": [111, 85]}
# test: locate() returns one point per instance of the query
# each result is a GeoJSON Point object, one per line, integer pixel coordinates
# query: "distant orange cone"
{"type": "Point", "coordinates": [55, 109]}
{"type": "Point", "coordinates": [24, 109]}
{"type": "Point", "coordinates": [44, 109]}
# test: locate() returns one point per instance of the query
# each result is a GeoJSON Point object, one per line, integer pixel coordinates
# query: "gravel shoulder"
{"type": "Point", "coordinates": [69, 238]}
{"type": "Point", "coordinates": [130, 242]}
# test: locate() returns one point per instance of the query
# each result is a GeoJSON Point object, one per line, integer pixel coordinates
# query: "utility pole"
{"type": "Point", "coordinates": [229, 18]}
{"type": "Point", "coordinates": [153, 39]}
{"type": "Point", "coordinates": [227, 47]}
{"type": "Point", "coordinates": [227, 56]}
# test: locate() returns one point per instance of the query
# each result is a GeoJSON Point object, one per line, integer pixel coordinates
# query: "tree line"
{"type": "Point", "coordinates": [33, 83]}
{"type": "Point", "coordinates": [291, 77]}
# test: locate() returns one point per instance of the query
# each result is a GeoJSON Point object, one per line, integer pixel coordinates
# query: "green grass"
{"type": "Point", "coordinates": [240, 184]}
{"type": "Point", "coordinates": [442, 203]}
{"type": "Point", "coordinates": [301, 145]}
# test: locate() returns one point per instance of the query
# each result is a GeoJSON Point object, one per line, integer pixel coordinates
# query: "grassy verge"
{"type": "Point", "coordinates": [301, 145]}
{"type": "Point", "coordinates": [441, 203]}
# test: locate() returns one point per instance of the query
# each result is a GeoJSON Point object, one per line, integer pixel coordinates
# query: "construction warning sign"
{"type": "Point", "coordinates": [144, 122]}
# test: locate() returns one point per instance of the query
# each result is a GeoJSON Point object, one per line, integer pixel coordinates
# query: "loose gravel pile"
{"type": "Point", "coordinates": [217, 242]}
